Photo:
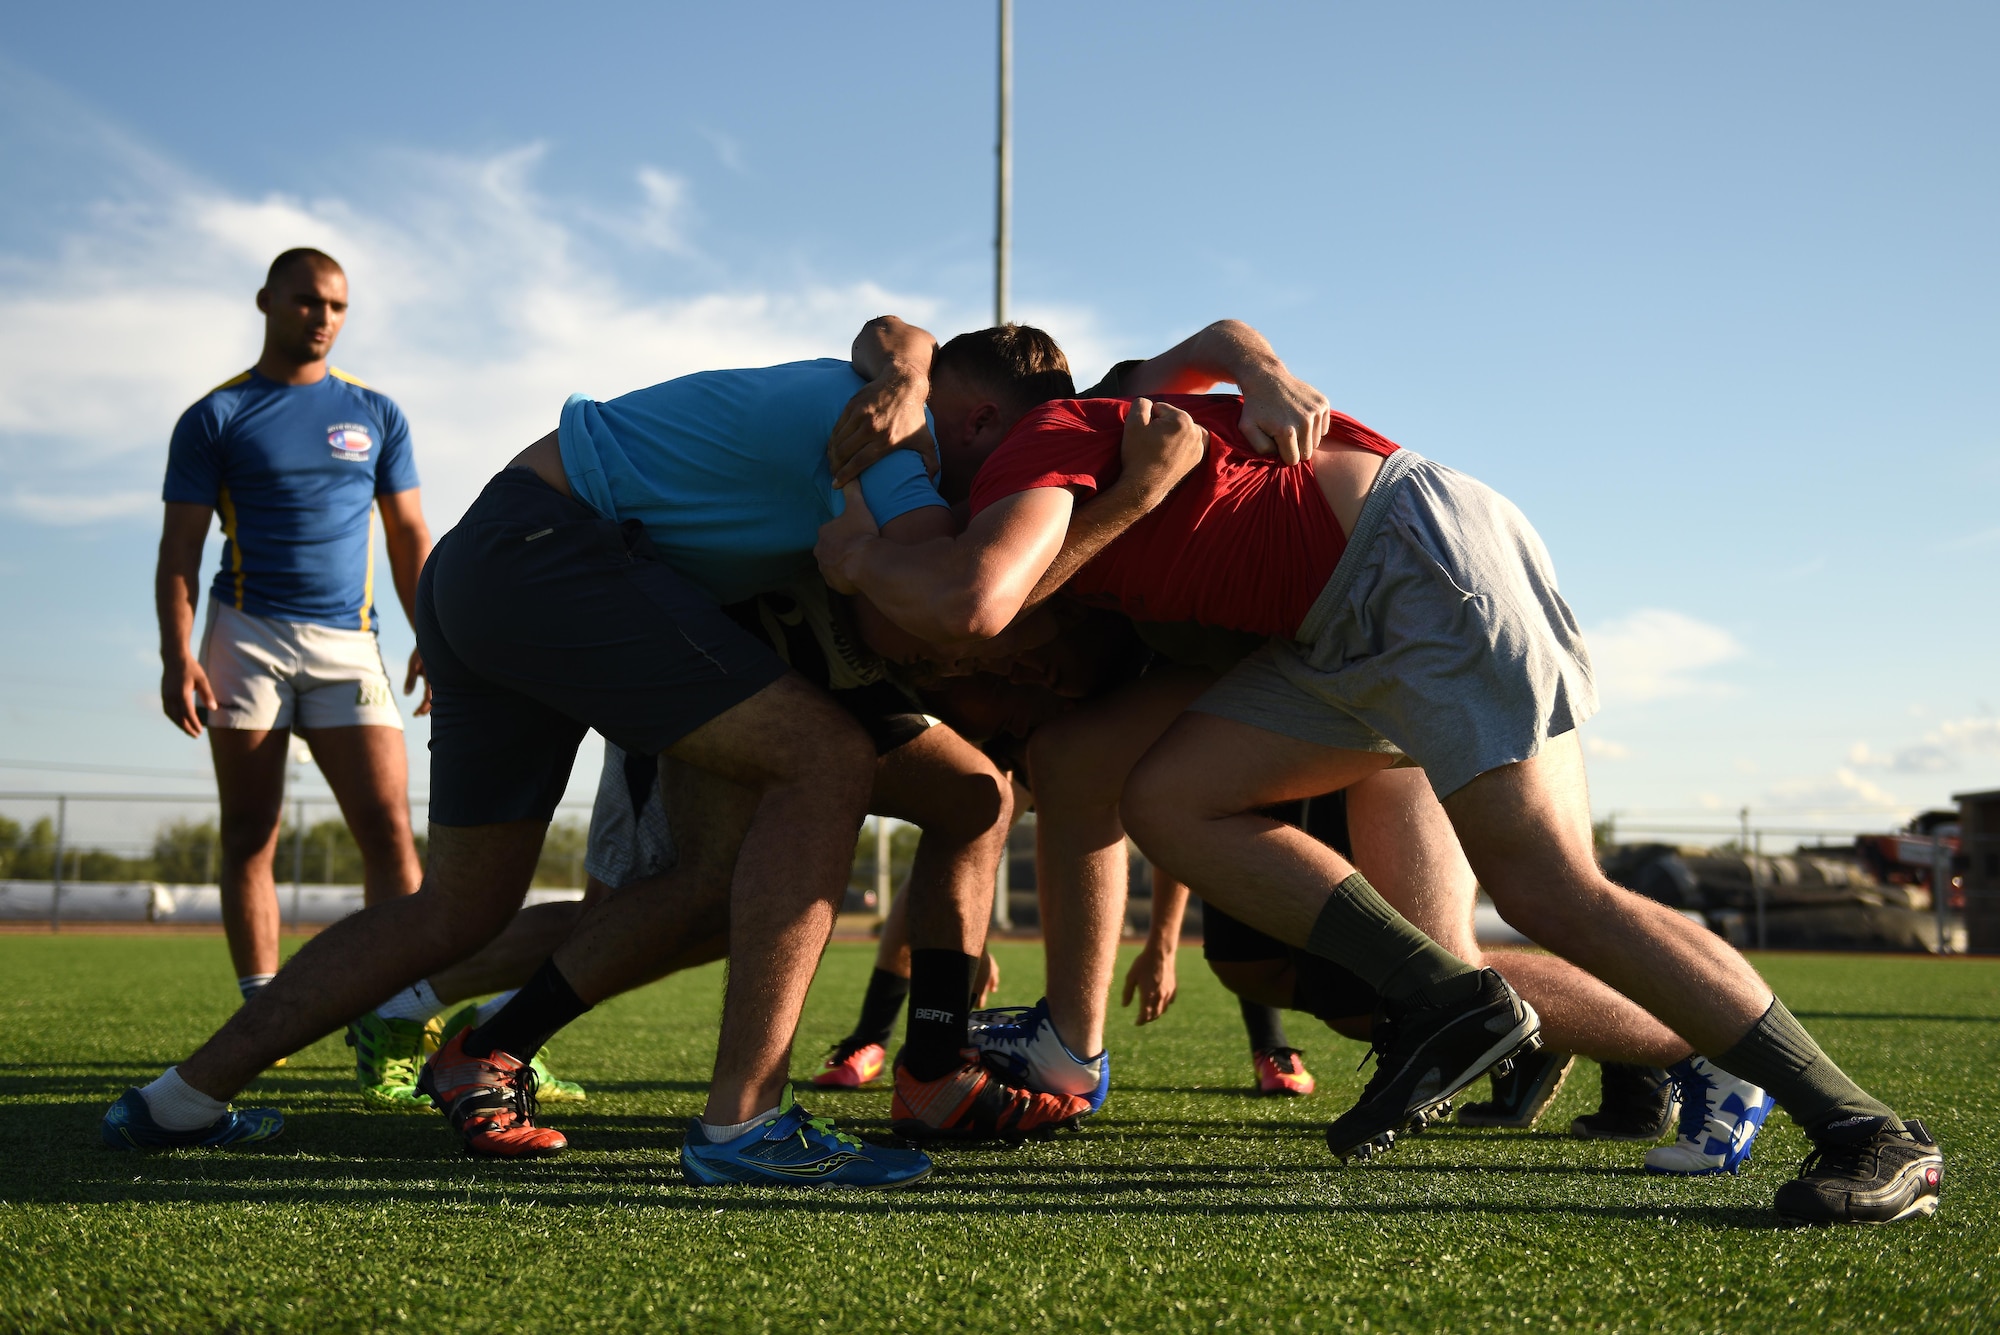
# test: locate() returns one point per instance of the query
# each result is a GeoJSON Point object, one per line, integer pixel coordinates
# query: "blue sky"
{"type": "Point", "coordinates": [1710, 293]}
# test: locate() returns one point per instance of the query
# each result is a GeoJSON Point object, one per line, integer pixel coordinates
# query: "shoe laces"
{"type": "Point", "coordinates": [824, 1128]}
{"type": "Point", "coordinates": [1379, 1044]}
{"type": "Point", "coordinates": [514, 1096]}
{"type": "Point", "coordinates": [1839, 1159]}
{"type": "Point", "coordinates": [1692, 1091]}
{"type": "Point", "coordinates": [846, 1048]}
{"type": "Point", "coordinates": [1284, 1060]}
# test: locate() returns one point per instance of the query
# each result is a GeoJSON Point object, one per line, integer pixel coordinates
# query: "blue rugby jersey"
{"type": "Point", "coordinates": [293, 472]}
{"type": "Point", "coordinates": [727, 470]}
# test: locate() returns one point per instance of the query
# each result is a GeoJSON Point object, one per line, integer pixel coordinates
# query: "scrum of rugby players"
{"type": "Point", "coordinates": [1186, 616]}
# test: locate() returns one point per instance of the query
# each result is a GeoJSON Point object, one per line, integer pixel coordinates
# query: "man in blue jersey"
{"type": "Point", "coordinates": [296, 457]}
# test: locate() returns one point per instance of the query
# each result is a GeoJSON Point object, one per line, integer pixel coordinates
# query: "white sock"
{"type": "Point", "coordinates": [489, 1009]}
{"type": "Point", "coordinates": [717, 1134]}
{"type": "Point", "coordinates": [179, 1106]}
{"type": "Point", "coordinates": [417, 1002]}
{"type": "Point", "coordinates": [250, 984]}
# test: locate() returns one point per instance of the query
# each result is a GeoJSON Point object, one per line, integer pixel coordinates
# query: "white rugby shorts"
{"type": "Point", "coordinates": [282, 674]}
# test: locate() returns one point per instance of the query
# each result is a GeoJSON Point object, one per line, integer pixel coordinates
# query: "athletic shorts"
{"type": "Point", "coordinates": [539, 619]}
{"type": "Point", "coordinates": [629, 836]}
{"type": "Point", "coordinates": [283, 674]}
{"type": "Point", "coordinates": [1440, 635]}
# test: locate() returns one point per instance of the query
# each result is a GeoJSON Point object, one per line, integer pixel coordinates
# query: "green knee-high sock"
{"type": "Point", "coordinates": [1359, 931]}
{"type": "Point", "coordinates": [1781, 1056]}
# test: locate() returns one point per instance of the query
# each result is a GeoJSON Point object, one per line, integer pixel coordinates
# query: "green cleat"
{"type": "Point", "coordinates": [548, 1089]}
{"type": "Point", "coordinates": [551, 1090]}
{"type": "Point", "coordinates": [386, 1053]}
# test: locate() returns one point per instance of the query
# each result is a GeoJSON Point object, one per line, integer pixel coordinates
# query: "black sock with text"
{"type": "Point", "coordinates": [940, 992]}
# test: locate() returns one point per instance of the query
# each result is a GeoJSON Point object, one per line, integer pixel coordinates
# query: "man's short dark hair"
{"type": "Point", "coordinates": [319, 259]}
{"type": "Point", "coordinates": [1018, 364]}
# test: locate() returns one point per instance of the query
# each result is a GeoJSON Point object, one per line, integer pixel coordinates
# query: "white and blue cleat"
{"type": "Point", "coordinates": [1021, 1043]}
{"type": "Point", "coordinates": [1720, 1118]}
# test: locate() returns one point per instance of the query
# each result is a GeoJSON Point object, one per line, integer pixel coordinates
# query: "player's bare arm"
{"type": "Point", "coordinates": [409, 540]}
{"type": "Point", "coordinates": [953, 590]}
{"type": "Point", "coordinates": [888, 413]}
{"type": "Point", "coordinates": [1282, 414]}
{"type": "Point", "coordinates": [184, 688]}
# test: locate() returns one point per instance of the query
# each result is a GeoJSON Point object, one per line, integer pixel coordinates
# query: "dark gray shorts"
{"type": "Point", "coordinates": [1440, 635]}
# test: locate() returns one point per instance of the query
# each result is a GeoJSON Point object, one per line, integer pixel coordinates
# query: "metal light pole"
{"type": "Point", "coordinates": [55, 880]}
{"type": "Point", "coordinates": [1004, 151]}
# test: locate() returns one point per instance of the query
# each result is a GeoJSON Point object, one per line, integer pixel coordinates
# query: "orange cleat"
{"type": "Point", "coordinates": [1279, 1071]}
{"type": "Point", "coordinates": [852, 1065]}
{"type": "Point", "coordinates": [490, 1102]}
{"type": "Point", "coordinates": [972, 1103]}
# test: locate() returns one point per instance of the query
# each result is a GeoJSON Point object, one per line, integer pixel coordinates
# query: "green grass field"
{"type": "Point", "coordinates": [1187, 1203]}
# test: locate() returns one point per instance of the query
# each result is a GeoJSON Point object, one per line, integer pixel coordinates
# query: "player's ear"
{"type": "Point", "coordinates": [264, 300]}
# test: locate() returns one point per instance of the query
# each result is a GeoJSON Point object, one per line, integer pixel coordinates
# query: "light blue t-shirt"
{"type": "Point", "coordinates": [727, 470]}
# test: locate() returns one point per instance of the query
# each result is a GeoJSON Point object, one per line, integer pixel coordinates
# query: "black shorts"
{"type": "Point", "coordinates": [539, 619]}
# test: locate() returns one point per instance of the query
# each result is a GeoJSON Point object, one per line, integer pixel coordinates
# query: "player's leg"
{"type": "Point", "coordinates": [250, 782]}
{"type": "Point", "coordinates": [1192, 804]}
{"type": "Point", "coordinates": [1077, 766]}
{"type": "Point", "coordinates": [1526, 831]}
{"type": "Point", "coordinates": [964, 806]}
{"type": "Point", "coordinates": [860, 1057]}
{"type": "Point", "coordinates": [367, 769]}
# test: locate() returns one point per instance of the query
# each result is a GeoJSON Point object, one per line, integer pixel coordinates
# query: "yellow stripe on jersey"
{"type": "Point", "coordinates": [339, 374]}
{"type": "Point", "coordinates": [368, 581]}
{"type": "Point", "coordinates": [230, 383]}
{"type": "Point", "coordinates": [228, 508]}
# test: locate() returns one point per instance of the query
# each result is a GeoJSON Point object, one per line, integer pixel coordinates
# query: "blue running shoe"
{"type": "Point", "coordinates": [796, 1149]}
{"type": "Point", "coordinates": [129, 1125]}
{"type": "Point", "coordinates": [1021, 1043]}
{"type": "Point", "coordinates": [1720, 1117]}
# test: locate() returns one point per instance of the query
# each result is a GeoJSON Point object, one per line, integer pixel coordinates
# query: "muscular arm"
{"type": "Point", "coordinates": [176, 590]}
{"type": "Point", "coordinates": [949, 590]}
{"type": "Point", "coordinates": [409, 540]}
{"type": "Point", "coordinates": [1281, 413]}
{"type": "Point", "coordinates": [894, 356]}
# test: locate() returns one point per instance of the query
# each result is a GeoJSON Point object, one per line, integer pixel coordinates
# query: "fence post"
{"type": "Point", "coordinates": [55, 878]}
{"type": "Point", "coordinates": [1941, 890]}
{"type": "Point", "coordinates": [883, 892]}
{"type": "Point", "coordinates": [298, 856]}
{"type": "Point", "coordinates": [1757, 883]}
{"type": "Point", "coordinates": [1003, 886]}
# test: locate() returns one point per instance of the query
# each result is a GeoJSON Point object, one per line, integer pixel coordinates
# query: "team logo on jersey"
{"type": "Point", "coordinates": [350, 440]}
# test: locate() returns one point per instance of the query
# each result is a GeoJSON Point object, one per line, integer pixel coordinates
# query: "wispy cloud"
{"type": "Point", "coordinates": [1603, 748]}
{"type": "Point", "coordinates": [1655, 654]}
{"type": "Point", "coordinates": [79, 507]}
{"type": "Point", "coordinates": [480, 304]}
{"type": "Point", "coordinates": [1945, 747]}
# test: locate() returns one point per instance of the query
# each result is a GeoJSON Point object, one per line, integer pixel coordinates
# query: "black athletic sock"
{"type": "Point", "coordinates": [1781, 1056]}
{"type": "Point", "coordinates": [940, 998]}
{"type": "Point", "coordinates": [1265, 1023]}
{"type": "Point", "coordinates": [1360, 931]}
{"type": "Point", "coordinates": [880, 1007]}
{"type": "Point", "coordinates": [537, 1011]}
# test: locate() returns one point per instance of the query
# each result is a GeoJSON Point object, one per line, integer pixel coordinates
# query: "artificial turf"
{"type": "Point", "coordinates": [1186, 1203]}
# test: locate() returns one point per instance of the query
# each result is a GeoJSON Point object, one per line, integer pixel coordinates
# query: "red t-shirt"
{"type": "Point", "coordinates": [1243, 543]}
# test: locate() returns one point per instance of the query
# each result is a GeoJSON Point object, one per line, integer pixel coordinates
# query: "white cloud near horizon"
{"type": "Point", "coordinates": [1656, 654]}
{"type": "Point", "coordinates": [1942, 749]}
{"type": "Point", "coordinates": [478, 304]}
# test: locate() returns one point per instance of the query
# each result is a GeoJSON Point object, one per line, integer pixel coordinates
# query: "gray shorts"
{"type": "Point", "coordinates": [629, 838]}
{"type": "Point", "coordinates": [1440, 635]}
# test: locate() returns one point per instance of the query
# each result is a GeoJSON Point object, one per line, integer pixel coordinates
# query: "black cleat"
{"type": "Point", "coordinates": [1863, 1174]}
{"type": "Point", "coordinates": [1637, 1103]}
{"type": "Point", "coordinates": [1522, 1094]}
{"type": "Point", "coordinates": [1425, 1055]}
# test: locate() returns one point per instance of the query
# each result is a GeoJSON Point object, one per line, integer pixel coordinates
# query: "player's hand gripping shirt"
{"type": "Point", "coordinates": [1243, 543]}
{"type": "Point", "coordinates": [727, 470]}
{"type": "Point", "coordinates": [293, 472]}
